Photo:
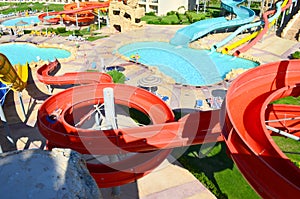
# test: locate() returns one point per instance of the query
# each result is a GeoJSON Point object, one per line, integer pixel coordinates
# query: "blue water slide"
{"type": "Point", "coordinates": [200, 28]}
{"type": "Point", "coordinates": [245, 27]}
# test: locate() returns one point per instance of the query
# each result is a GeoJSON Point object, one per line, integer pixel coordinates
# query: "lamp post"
{"type": "Point", "coordinates": [46, 5]}
{"type": "Point", "coordinates": [99, 23]}
{"type": "Point", "coordinates": [197, 6]}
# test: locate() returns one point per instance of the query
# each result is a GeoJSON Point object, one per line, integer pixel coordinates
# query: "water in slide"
{"type": "Point", "coordinates": [15, 78]}
{"type": "Point", "coordinates": [198, 29]}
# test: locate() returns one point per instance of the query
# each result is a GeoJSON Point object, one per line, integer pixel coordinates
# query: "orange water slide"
{"type": "Point", "coordinates": [45, 71]}
{"type": "Point", "coordinates": [250, 144]}
{"type": "Point", "coordinates": [153, 141]}
{"type": "Point", "coordinates": [263, 164]}
{"type": "Point", "coordinates": [285, 117]}
{"type": "Point", "coordinates": [83, 10]}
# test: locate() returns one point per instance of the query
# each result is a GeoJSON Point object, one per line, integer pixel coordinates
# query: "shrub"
{"type": "Point", "coordinates": [296, 55]}
{"type": "Point", "coordinates": [27, 31]}
{"type": "Point", "coordinates": [61, 29]}
{"type": "Point", "coordinates": [171, 13]}
{"type": "Point", "coordinates": [78, 33]}
{"type": "Point", "coordinates": [193, 17]}
{"type": "Point", "coordinates": [117, 76]}
{"type": "Point", "coordinates": [150, 14]}
{"type": "Point", "coordinates": [170, 19]}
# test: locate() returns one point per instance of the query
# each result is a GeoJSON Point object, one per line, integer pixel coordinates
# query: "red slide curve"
{"type": "Point", "coordinates": [60, 113]}
{"type": "Point", "coordinates": [84, 14]}
{"type": "Point", "coordinates": [263, 32]}
{"type": "Point", "coordinates": [251, 146]}
{"type": "Point", "coordinates": [165, 133]}
{"type": "Point", "coordinates": [44, 75]}
{"type": "Point", "coordinates": [285, 117]}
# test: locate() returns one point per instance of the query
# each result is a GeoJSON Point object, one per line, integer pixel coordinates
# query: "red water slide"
{"type": "Point", "coordinates": [60, 118]}
{"type": "Point", "coordinates": [263, 32]}
{"type": "Point", "coordinates": [251, 146]}
{"type": "Point", "coordinates": [44, 75]}
{"type": "Point", "coordinates": [70, 10]}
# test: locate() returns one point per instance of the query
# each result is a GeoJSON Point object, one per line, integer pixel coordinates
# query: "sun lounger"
{"type": "Point", "coordinates": [165, 98]}
{"type": "Point", "coordinates": [199, 104]}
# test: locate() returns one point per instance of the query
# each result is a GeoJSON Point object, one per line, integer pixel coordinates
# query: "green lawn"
{"type": "Point", "coordinates": [214, 168]}
{"type": "Point", "coordinates": [216, 171]}
{"type": "Point", "coordinates": [25, 6]}
{"type": "Point", "coordinates": [290, 147]}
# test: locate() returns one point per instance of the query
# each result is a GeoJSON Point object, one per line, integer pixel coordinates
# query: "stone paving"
{"type": "Point", "coordinates": [159, 184]}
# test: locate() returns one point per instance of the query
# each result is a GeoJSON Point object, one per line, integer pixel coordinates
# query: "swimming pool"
{"type": "Point", "coordinates": [22, 53]}
{"type": "Point", "coordinates": [186, 65]}
{"type": "Point", "coordinates": [30, 20]}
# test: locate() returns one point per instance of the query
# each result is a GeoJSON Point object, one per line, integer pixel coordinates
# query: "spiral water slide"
{"type": "Point", "coordinates": [83, 10]}
{"type": "Point", "coordinates": [198, 29]}
{"type": "Point", "coordinates": [256, 36]}
{"type": "Point", "coordinates": [250, 144]}
{"type": "Point", "coordinates": [72, 106]}
{"type": "Point", "coordinates": [153, 142]}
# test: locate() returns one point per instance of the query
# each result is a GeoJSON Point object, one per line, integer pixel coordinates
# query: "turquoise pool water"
{"type": "Point", "coordinates": [22, 53]}
{"type": "Point", "coordinates": [186, 65]}
{"type": "Point", "coordinates": [29, 20]}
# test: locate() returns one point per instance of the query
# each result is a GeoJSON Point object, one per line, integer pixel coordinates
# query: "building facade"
{"type": "Point", "coordinates": [162, 7]}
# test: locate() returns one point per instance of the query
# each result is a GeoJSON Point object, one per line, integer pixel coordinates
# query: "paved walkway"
{"type": "Point", "coordinates": [170, 181]}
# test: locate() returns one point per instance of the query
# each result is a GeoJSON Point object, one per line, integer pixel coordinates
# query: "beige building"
{"type": "Point", "coordinates": [162, 7]}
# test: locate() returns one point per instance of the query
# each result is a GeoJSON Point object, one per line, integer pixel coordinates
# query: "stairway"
{"type": "Point", "coordinates": [292, 30]}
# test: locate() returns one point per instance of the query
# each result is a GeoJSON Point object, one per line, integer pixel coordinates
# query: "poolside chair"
{"type": "Point", "coordinates": [3, 92]}
{"type": "Point", "coordinates": [165, 98]}
{"type": "Point", "coordinates": [199, 104]}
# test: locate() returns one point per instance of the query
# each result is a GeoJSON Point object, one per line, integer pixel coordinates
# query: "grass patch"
{"type": "Point", "coordinates": [117, 76]}
{"type": "Point", "coordinates": [212, 167]}
{"type": "Point", "coordinates": [139, 117]}
{"type": "Point", "coordinates": [288, 100]}
{"type": "Point", "coordinates": [25, 6]}
{"type": "Point", "coordinates": [290, 147]}
{"type": "Point", "coordinates": [95, 37]}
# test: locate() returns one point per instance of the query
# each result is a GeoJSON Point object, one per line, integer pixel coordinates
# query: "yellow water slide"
{"type": "Point", "coordinates": [15, 77]}
{"type": "Point", "coordinates": [236, 44]}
